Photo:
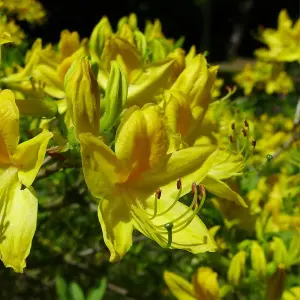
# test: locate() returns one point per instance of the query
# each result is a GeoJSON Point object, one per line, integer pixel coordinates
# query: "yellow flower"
{"type": "Point", "coordinates": [187, 100]}
{"type": "Point", "coordinates": [45, 68]}
{"type": "Point", "coordinates": [283, 43]}
{"type": "Point", "coordinates": [29, 10]}
{"type": "Point", "coordinates": [139, 185]}
{"type": "Point", "coordinates": [19, 165]}
{"type": "Point", "coordinates": [204, 286]}
{"type": "Point", "coordinates": [16, 33]}
{"type": "Point", "coordinates": [267, 76]}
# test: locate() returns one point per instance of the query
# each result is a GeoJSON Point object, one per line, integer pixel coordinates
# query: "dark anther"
{"type": "Point", "coordinates": [202, 189]}
{"type": "Point", "coordinates": [194, 187]}
{"type": "Point", "coordinates": [232, 126]}
{"type": "Point", "coordinates": [158, 194]}
{"type": "Point", "coordinates": [231, 139]}
{"type": "Point", "coordinates": [253, 143]}
{"type": "Point", "coordinates": [244, 132]}
{"type": "Point", "coordinates": [179, 184]}
{"type": "Point", "coordinates": [246, 123]}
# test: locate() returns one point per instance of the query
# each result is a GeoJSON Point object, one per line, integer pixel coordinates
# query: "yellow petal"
{"type": "Point", "coordinates": [180, 288]}
{"type": "Point", "coordinates": [5, 37]}
{"type": "Point", "coordinates": [116, 226]}
{"type": "Point", "coordinates": [206, 284]}
{"type": "Point", "coordinates": [9, 129]}
{"type": "Point", "coordinates": [117, 47]}
{"type": "Point", "coordinates": [99, 164]}
{"type": "Point", "coordinates": [141, 140]}
{"type": "Point", "coordinates": [54, 85]}
{"type": "Point", "coordinates": [222, 190]}
{"type": "Point", "coordinates": [190, 164]}
{"type": "Point", "coordinates": [18, 214]}
{"type": "Point", "coordinates": [194, 238]}
{"type": "Point", "coordinates": [29, 157]}
{"type": "Point", "coordinates": [145, 83]}
{"type": "Point", "coordinates": [226, 165]}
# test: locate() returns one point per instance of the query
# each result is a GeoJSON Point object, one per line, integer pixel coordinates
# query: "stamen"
{"type": "Point", "coordinates": [157, 196]}
{"type": "Point", "coordinates": [233, 126]}
{"type": "Point", "coordinates": [253, 143]}
{"type": "Point", "coordinates": [246, 123]}
{"type": "Point", "coordinates": [244, 132]}
{"type": "Point", "coordinates": [231, 139]}
{"type": "Point", "coordinates": [179, 184]}
{"type": "Point", "coordinates": [173, 204]}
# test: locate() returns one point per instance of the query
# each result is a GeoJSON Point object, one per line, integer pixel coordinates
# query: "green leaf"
{"type": "Point", "coordinates": [61, 288]}
{"type": "Point", "coordinates": [76, 292]}
{"type": "Point", "coordinates": [98, 293]}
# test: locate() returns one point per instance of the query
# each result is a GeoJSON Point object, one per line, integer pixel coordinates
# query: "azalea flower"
{"type": "Point", "coordinates": [19, 165]}
{"type": "Point", "coordinates": [139, 185]}
{"type": "Point", "coordinates": [283, 43]}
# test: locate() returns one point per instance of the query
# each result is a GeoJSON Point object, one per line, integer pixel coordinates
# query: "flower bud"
{"type": "Point", "coordinates": [258, 260]}
{"type": "Point", "coordinates": [276, 284]}
{"type": "Point", "coordinates": [237, 268]}
{"type": "Point", "coordinates": [280, 254]}
{"type": "Point", "coordinates": [82, 97]}
{"type": "Point", "coordinates": [98, 37]}
{"type": "Point", "coordinates": [206, 284]}
{"type": "Point", "coordinates": [115, 97]}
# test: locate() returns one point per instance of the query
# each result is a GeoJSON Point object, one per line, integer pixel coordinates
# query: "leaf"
{"type": "Point", "coordinates": [76, 292]}
{"type": "Point", "coordinates": [98, 293]}
{"type": "Point", "coordinates": [61, 288]}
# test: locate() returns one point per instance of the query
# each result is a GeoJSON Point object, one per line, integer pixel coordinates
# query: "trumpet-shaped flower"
{"type": "Point", "coordinates": [46, 68]}
{"type": "Point", "coordinates": [283, 43]}
{"type": "Point", "coordinates": [204, 286]}
{"type": "Point", "coordinates": [19, 165]}
{"type": "Point", "coordinates": [188, 99]}
{"type": "Point", "coordinates": [139, 185]}
{"type": "Point", "coordinates": [264, 75]}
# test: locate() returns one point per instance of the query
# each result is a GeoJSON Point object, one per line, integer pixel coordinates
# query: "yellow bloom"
{"type": "Point", "coordinates": [127, 182]}
{"type": "Point", "coordinates": [19, 165]}
{"type": "Point", "coordinates": [267, 76]}
{"type": "Point", "coordinates": [204, 286]}
{"type": "Point", "coordinates": [187, 100]}
{"type": "Point", "coordinates": [29, 10]}
{"type": "Point", "coordinates": [16, 33]}
{"type": "Point", "coordinates": [46, 68]}
{"type": "Point", "coordinates": [283, 43]}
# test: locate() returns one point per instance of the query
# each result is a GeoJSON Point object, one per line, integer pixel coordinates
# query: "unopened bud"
{"type": "Point", "coordinates": [276, 284]}
{"type": "Point", "coordinates": [83, 98]}
{"type": "Point", "coordinates": [258, 260]}
{"type": "Point", "coordinates": [237, 268]}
